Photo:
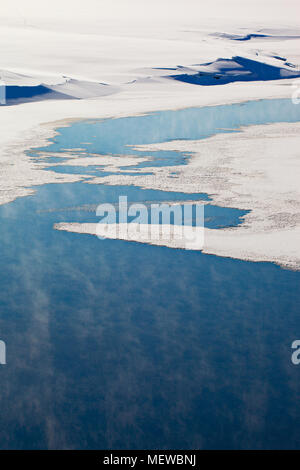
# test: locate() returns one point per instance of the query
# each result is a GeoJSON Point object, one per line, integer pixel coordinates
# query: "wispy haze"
{"type": "Point", "coordinates": [154, 10]}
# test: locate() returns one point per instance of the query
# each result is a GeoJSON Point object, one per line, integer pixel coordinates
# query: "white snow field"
{"type": "Point", "coordinates": [91, 59]}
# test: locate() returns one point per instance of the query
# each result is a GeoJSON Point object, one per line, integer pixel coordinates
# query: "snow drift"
{"type": "Point", "coordinates": [237, 69]}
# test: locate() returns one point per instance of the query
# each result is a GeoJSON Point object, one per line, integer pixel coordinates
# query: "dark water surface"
{"type": "Point", "coordinates": [121, 345]}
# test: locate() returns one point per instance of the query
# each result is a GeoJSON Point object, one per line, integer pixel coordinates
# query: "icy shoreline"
{"type": "Point", "coordinates": [256, 169]}
{"type": "Point", "coordinates": [140, 86]}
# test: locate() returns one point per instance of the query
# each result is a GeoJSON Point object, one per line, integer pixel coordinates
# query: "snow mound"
{"type": "Point", "coordinates": [23, 87]}
{"type": "Point", "coordinates": [264, 34]}
{"type": "Point", "coordinates": [237, 69]}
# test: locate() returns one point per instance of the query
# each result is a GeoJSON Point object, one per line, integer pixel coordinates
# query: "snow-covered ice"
{"type": "Point", "coordinates": [58, 69]}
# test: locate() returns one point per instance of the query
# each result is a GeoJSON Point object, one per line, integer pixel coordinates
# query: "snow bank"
{"type": "Point", "coordinates": [237, 69]}
{"type": "Point", "coordinates": [24, 88]}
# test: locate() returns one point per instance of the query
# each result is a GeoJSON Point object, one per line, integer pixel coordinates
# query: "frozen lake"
{"type": "Point", "coordinates": [125, 346]}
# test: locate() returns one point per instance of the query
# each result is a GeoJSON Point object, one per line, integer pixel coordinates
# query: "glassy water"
{"type": "Point", "coordinates": [121, 345]}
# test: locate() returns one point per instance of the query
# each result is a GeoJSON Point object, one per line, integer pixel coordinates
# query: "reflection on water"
{"type": "Point", "coordinates": [121, 345]}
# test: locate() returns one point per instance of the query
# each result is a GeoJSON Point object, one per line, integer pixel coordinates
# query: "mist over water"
{"type": "Point", "coordinates": [120, 345]}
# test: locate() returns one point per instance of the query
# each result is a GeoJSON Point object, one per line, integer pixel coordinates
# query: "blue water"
{"type": "Point", "coordinates": [121, 345]}
{"type": "Point", "coordinates": [117, 136]}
